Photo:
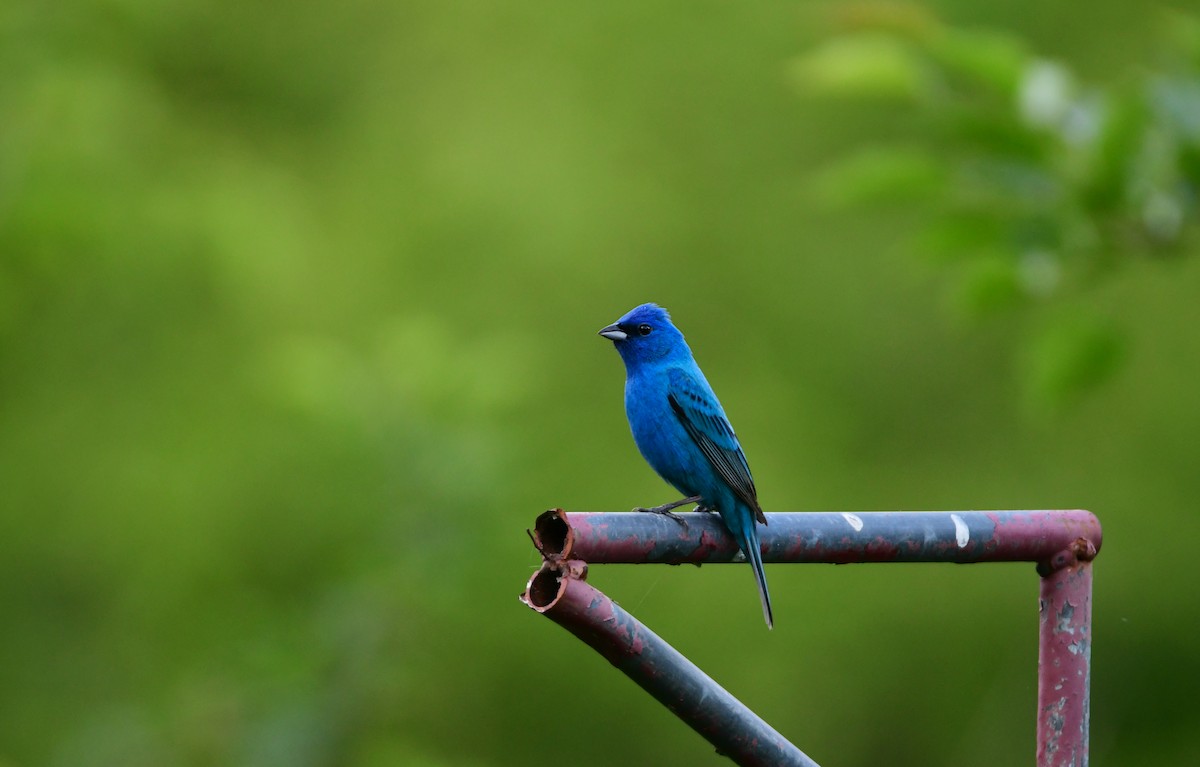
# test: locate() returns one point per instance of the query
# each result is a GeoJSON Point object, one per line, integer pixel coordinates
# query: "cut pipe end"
{"type": "Point", "coordinates": [552, 535]}
{"type": "Point", "coordinates": [543, 589]}
{"type": "Point", "coordinates": [550, 582]}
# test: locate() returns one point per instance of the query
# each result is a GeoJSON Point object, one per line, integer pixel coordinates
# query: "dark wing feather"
{"type": "Point", "coordinates": [701, 416]}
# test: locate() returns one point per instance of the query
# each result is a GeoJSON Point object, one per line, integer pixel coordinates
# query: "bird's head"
{"type": "Point", "coordinates": [645, 334]}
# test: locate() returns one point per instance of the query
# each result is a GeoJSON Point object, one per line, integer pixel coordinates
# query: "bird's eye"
{"type": "Point", "coordinates": [644, 329]}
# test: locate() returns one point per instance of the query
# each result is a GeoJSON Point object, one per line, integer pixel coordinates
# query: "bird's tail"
{"type": "Point", "coordinates": [749, 543]}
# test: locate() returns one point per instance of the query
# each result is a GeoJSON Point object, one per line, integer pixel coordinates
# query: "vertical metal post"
{"type": "Point", "coordinates": [1064, 658]}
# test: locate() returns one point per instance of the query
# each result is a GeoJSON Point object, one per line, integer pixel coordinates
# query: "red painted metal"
{"type": "Point", "coordinates": [1064, 660]}
{"type": "Point", "coordinates": [1062, 543]}
{"type": "Point", "coordinates": [560, 593]}
{"type": "Point", "coordinates": [865, 536]}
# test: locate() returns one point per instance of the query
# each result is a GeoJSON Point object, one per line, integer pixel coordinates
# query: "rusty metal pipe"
{"type": "Point", "coordinates": [1061, 543]}
{"type": "Point", "coordinates": [833, 537]}
{"type": "Point", "coordinates": [1064, 664]}
{"type": "Point", "coordinates": [560, 593]}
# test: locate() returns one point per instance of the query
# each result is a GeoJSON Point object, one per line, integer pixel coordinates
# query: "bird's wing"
{"type": "Point", "coordinates": [701, 416]}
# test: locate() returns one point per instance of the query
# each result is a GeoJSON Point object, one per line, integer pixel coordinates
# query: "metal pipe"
{"type": "Point", "coordinates": [868, 536]}
{"type": "Point", "coordinates": [1064, 662]}
{"type": "Point", "coordinates": [1062, 543]}
{"type": "Point", "coordinates": [559, 592]}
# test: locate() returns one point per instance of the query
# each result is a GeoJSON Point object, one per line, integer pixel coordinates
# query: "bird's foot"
{"type": "Point", "coordinates": [660, 511]}
{"type": "Point", "coordinates": [665, 509]}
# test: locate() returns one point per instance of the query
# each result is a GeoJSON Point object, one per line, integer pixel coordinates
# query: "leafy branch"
{"type": "Point", "coordinates": [1029, 183]}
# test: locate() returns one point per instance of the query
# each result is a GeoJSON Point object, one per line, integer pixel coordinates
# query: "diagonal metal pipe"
{"type": "Point", "coordinates": [561, 594]}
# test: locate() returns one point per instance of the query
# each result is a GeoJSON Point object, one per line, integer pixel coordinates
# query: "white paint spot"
{"type": "Point", "coordinates": [962, 535]}
{"type": "Point", "coordinates": [854, 520]}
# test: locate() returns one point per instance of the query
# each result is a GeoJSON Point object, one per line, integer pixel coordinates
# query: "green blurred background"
{"type": "Point", "coordinates": [298, 306]}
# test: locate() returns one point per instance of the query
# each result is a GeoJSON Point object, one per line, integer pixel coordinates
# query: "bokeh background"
{"type": "Point", "coordinates": [298, 306]}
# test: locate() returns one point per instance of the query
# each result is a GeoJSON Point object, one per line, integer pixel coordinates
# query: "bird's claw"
{"type": "Point", "coordinates": [660, 511]}
{"type": "Point", "coordinates": [672, 505]}
{"type": "Point", "coordinates": [665, 509]}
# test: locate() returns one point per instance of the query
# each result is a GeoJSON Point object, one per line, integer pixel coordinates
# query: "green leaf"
{"type": "Point", "coordinates": [992, 129]}
{"type": "Point", "coordinates": [962, 234]}
{"type": "Point", "coordinates": [994, 60]}
{"type": "Point", "coordinates": [1073, 355]}
{"type": "Point", "coordinates": [987, 284]}
{"type": "Point", "coordinates": [881, 175]}
{"type": "Point", "coordinates": [862, 65]}
{"type": "Point", "coordinates": [1103, 188]}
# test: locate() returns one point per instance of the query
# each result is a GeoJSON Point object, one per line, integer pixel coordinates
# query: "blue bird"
{"type": "Point", "coordinates": [682, 432]}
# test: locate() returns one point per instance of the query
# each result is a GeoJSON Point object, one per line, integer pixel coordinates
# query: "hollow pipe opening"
{"type": "Point", "coordinates": [544, 588]}
{"type": "Point", "coordinates": [553, 535]}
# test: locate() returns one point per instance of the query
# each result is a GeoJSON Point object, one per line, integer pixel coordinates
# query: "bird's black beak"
{"type": "Point", "coordinates": [614, 333]}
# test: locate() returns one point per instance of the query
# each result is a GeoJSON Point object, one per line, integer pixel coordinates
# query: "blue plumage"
{"type": "Point", "coordinates": [681, 429]}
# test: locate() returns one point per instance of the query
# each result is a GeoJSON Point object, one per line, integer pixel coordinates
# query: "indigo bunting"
{"type": "Point", "coordinates": [682, 432]}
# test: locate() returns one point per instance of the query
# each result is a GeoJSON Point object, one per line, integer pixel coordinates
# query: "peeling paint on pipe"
{"type": "Point", "coordinates": [870, 536]}
{"type": "Point", "coordinates": [1061, 543]}
{"type": "Point", "coordinates": [1064, 666]}
{"type": "Point", "coordinates": [658, 668]}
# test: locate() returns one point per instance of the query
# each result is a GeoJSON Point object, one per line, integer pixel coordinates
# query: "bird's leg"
{"type": "Point", "coordinates": [665, 509]}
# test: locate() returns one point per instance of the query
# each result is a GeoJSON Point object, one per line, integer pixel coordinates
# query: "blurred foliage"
{"type": "Point", "coordinates": [1033, 183]}
{"type": "Point", "coordinates": [297, 336]}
